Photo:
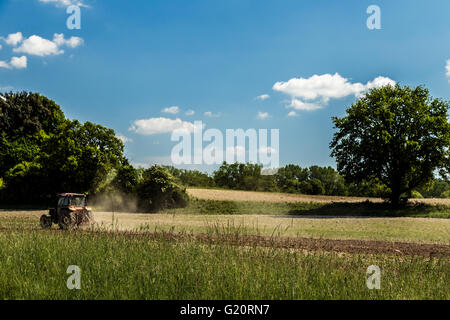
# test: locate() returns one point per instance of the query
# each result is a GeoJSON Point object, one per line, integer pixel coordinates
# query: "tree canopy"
{"type": "Point", "coordinates": [43, 153]}
{"type": "Point", "coordinates": [397, 135]}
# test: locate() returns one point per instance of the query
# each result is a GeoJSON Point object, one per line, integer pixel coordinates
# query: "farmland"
{"type": "Point", "coordinates": [243, 253]}
{"type": "Point", "coordinates": [274, 197]}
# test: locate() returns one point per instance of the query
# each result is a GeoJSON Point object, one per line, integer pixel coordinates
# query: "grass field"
{"type": "Point", "coordinates": [311, 209]}
{"type": "Point", "coordinates": [148, 266]}
{"type": "Point", "coordinates": [223, 249]}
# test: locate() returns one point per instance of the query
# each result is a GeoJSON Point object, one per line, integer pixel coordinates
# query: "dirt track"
{"type": "Point", "coordinates": [347, 246]}
{"type": "Point", "coordinates": [232, 195]}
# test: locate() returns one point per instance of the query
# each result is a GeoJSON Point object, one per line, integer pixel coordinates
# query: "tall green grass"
{"type": "Point", "coordinates": [33, 265]}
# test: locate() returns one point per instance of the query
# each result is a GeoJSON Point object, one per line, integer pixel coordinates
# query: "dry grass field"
{"type": "Point", "coordinates": [232, 195]}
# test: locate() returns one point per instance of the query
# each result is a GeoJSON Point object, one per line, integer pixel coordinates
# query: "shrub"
{"type": "Point", "coordinates": [445, 194]}
{"type": "Point", "coordinates": [305, 187]}
{"type": "Point", "coordinates": [317, 187]}
{"type": "Point", "coordinates": [292, 186]}
{"type": "Point", "coordinates": [416, 195]}
{"type": "Point", "coordinates": [158, 190]}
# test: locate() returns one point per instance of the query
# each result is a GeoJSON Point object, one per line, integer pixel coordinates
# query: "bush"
{"type": "Point", "coordinates": [292, 186]}
{"type": "Point", "coordinates": [317, 187]}
{"type": "Point", "coordinates": [305, 187]}
{"type": "Point", "coordinates": [158, 190]}
{"type": "Point", "coordinates": [416, 195]}
{"type": "Point", "coordinates": [191, 178]}
{"type": "Point", "coordinates": [446, 194]}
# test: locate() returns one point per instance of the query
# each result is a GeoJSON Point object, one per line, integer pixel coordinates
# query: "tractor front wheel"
{"type": "Point", "coordinates": [46, 222]}
{"type": "Point", "coordinates": [67, 221]}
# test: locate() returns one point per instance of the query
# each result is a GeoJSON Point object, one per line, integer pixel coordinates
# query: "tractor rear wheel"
{"type": "Point", "coordinates": [67, 221]}
{"type": "Point", "coordinates": [86, 217]}
{"type": "Point", "coordinates": [46, 222]}
{"type": "Point", "coordinates": [90, 216]}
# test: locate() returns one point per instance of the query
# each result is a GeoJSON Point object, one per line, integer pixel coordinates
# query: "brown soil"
{"type": "Point", "coordinates": [232, 195]}
{"type": "Point", "coordinates": [329, 245]}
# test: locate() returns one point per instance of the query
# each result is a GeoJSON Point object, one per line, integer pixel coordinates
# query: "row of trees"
{"type": "Point", "coordinates": [292, 178]}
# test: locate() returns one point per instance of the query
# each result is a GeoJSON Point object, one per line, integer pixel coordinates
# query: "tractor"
{"type": "Point", "coordinates": [71, 211]}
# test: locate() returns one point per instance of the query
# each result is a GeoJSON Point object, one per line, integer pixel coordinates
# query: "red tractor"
{"type": "Point", "coordinates": [71, 211]}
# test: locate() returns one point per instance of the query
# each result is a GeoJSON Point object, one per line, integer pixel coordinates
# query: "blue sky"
{"type": "Point", "coordinates": [132, 59]}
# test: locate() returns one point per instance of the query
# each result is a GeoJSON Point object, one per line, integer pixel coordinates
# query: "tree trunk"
{"type": "Point", "coordinates": [395, 197]}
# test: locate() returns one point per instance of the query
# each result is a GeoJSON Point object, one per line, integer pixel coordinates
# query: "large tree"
{"type": "Point", "coordinates": [26, 121]}
{"type": "Point", "coordinates": [42, 152]}
{"type": "Point", "coordinates": [399, 135]}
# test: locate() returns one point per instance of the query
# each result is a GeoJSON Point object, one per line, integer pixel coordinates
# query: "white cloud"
{"type": "Point", "coordinates": [36, 45]}
{"type": "Point", "coordinates": [263, 115]}
{"type": "Point", "coordinates": [262, 97]}
{"type": "Point", "coordinates": [72, 42]}
{"type": "Point", "coordinates": [65, 3]}
{"type": "Point", "coordinates": [15, 63]}
{"type": "Point", "coordinates": [292, 114]}
{"type": "Point", "coordinates": [124, 139]}
{"type": "Point", "coordinates": [327, 86]}
{"type": "Point", "coordinates": [190, 112]}
{"type": "Point", "coordinates": [378, 82]}
{"type": "Point", "coordinates": [447, 67]}
{"type": "Point", "coordinates": [321, 88]}
{"type": "Point", "coordinates": [1, 47]}
{"type": "Point", "coordinates": [212, 115]}
{"type": "Point", "coordinates": [4, 64]}
{"type": "Point", "coordinates": [19, 62]}
{"type": "Point", "coordinates": [14, 39]}
{"type": "Point", "coordinates": [171, 110]}
{"type": "Point", "coordinates": [300, 105]}
{"type": "Point", "coordinates": [160, 125]}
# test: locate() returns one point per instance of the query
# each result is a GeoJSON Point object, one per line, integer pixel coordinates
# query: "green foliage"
{"type": "Point", "coordinates": [398, 135]}
{"type": "Point", "coordinates": [315, 180]}
{"type": "Point", "coordinates": [126, 179]}
{"type": "Point", "coordinates": [191, 178]}
{"type": "Point", "coordinates": [317, 187]}
{"type": "Point", "coordinates": [239, 176]}
{"type": "Point", "coordinates": [368, 188]}
{"type": "Point", "coordinates": [437, 189]}
{"type": "Point", "coordinates": [416, 195]}
{"type": "Point", "coordinates": [159, 190]}
{"type": "Point", "coordinates": [42, 153]}
{"type": "Point", "coordinates": [26, 121]}
{"type": "Point", "coordinates": [333, 183]}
